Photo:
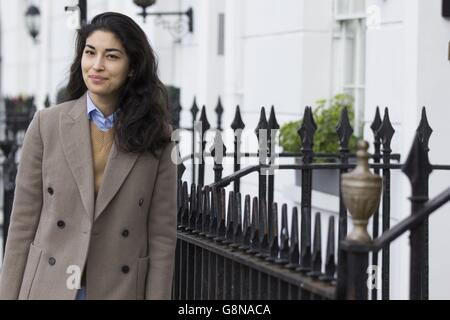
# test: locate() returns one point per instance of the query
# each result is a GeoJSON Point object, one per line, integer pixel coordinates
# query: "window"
{"type": "Point", "coordinates": [349, 54]}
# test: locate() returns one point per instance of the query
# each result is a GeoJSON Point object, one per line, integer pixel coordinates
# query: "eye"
{"type": "Point", "coordinates": [112, 56]}
{"type": "Point", "coordinates": [89, 52]}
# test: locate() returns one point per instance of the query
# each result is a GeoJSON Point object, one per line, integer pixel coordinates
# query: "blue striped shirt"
{"type": "Point", "coordinates": [94, 114]}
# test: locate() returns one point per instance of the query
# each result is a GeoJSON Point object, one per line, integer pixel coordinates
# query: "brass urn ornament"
{"type": "Point", "coordinates": [361, 191]}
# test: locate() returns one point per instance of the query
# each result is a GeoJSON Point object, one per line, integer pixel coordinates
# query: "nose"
{"type": "Point", "coordinates": [98, 65]}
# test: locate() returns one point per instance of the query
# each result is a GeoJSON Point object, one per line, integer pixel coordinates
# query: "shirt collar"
{"type": "Point", "coordinates": [91, 107]}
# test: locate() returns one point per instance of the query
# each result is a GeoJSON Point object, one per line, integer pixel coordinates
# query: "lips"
{"type": "Point", "coordinates": [97, 78]}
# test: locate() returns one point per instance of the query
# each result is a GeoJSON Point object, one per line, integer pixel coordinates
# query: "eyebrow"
{"type": "Point", "coordinates": [107, 50]}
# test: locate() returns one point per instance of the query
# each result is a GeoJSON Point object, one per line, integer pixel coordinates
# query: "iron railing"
{"type": "Point", "coordinates": [226, 252]}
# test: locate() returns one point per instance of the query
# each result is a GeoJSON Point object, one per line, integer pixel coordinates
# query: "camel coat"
{"type": "Point", "coordinates": [124, 240]}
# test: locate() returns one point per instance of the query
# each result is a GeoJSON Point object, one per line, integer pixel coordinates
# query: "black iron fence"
{"type": "Point", "coordinates": [230, 250]}
{"type": "Point", "coordinates": [17, 114]}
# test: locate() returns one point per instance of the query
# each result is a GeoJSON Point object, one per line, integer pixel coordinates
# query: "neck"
{"type": "Point", "coordinates": [107, 105]}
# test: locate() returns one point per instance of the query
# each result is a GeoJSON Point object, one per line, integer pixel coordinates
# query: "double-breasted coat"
{"type": "Point", "coordinates": [124, 239]}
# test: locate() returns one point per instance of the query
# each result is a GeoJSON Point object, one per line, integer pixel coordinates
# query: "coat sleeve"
{"type": "Point", "coordinates": [162, 229]}
{"type": "Point", "coordinates": [25, 213]}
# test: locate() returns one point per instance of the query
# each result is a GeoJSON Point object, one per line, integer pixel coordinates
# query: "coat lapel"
{"type": "Point", "coordinates": [76, 141]}
{"type": "Point", "coordinates": [117, 169]}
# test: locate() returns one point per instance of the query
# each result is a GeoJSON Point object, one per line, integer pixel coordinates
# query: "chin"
{"type": "Point", "coordinates": [98, 91]}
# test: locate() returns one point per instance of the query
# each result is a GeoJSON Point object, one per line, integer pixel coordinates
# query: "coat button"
{"type": "Point", "coordinates": [141, 201]}
{"type": "Point", "coordinates": [125, 269]}
{"type": "Point", "coordinates": [50, 190]}
{"type": "Point", "coordinates": [52, 261]}
{"type": "Point", "coordinates": [61, 224]}
{"type": "Point", "coordinates": [125, 233]}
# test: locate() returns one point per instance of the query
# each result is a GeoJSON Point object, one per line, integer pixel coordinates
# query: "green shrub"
{"type": "Point", "coordinates": [326, 139]}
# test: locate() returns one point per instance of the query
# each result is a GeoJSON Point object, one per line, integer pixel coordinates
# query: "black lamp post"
{"type": "Point", "coordinates": [144, 4]}
{"type": "Point", "coordinates": [33, 21]}
{"type": "Point", "coordinates": [83, 11]}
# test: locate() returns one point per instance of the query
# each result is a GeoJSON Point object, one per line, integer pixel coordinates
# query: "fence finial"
{"type": "Point", "coordinates": [424, 130]}
{"type": "Point", "coordinates": [361, 191]}
{"type": "Point", "coordinates": [344, 130]}
{"type": "Point", "coordinates": [262, 124]}
{"type": "Point", "coordinates": [273, 123]}
{"type": "Point", "coordinates": [386, 132]}
{"type": "Point", "coordinates": [219, 112]}
{"type": "Point", "coordinates": [307, 130]}
{"type": "Point", "coordinates": [376, 123]}
{"type": "Point", "coordinates": [204, 120]}
{"type": "Point", "coordinates": [194, 109]}
{"type": "Point", "coordinates": [417, 166]}
{"type": "Point", "coordinates": [237, 122]}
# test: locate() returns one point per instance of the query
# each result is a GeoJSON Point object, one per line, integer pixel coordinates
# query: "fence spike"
{"type": "Point", "coordinates": [417, 166]}
{"type": "Point", "coordinates": [192, 208]}
{"type": "Point", "coordinates": [294, 255]}
{"type": "Point", "coordinates": [198, 221]}
{"type": "Point", "coordinates": [221, 223]}
{"type": "Point", "coordinates": [386, 132]}
{"type": "Point", "coordinates": [344, 130]}
{"type": "Point", "coordinates": [305, 249]}
{"type": "Point", "coordinates": [194, 109]}
{"type": "Point", "coordinates": [284, 237]}
{"type": "Point", "coordinates": [316, 261]}
{"type": "Point", "coordinates": [262, 124]}
{"type": "Point", "coordinates": [237, 218]}
{"type": "Point", "coordinates": [247, 227]}
{"type": "Point", "coordinates": [185, 210]}
{"type": "Point", "coordinates": [273, 245]}
{"type": "Point", "coordinates": [218, 146]}
{"type": "Point", "coordinates": [237, 125]}
{"type": "Point", "coordinates": [273, 127]}
{"type": "Point", "coordinates": [307, 130]}
{"type": "Point", "coordinates": [205, 126]}
{"type": "Point", "coordinates": [237, 121]}
{"type": "Point", "coordinates": [214, 213]}
{"type": "Point", "coordinates": [273, 123]}
{"type": "Point", "coordinates": [330, 264]}
{"type": "Point", "coordinates": [229, 230]}
{"type": "Point", "coordinates": [255, 227]}
{"type": "Point", "coordinates": [263, 230]}
{"type": "Point", "coordinates": [206, 212]}
{"type": "Point", "coordinates": [376, 123]}
{"type": "Point", "coordinates": [219, 113]}
{"type": "Point", "coordinates": [418, 169]}
{"type": "Point", "coordinates": [204, 120]}
{"type": "Point", "coordinates": [424, 130]}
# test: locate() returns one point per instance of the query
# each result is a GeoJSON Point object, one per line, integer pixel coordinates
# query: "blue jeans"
{"type": "Point", "coordinates": [81, 294]}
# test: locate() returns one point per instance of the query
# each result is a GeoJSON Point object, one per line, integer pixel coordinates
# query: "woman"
{"type": "Point", "coordinates": [94, 213]}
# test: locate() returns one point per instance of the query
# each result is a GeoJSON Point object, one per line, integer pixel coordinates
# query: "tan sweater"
{"type": "Point", "coordinates": [101, 146]}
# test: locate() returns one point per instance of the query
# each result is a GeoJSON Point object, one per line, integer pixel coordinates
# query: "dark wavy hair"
{"type": "Point", "coordinates": [143, 121]}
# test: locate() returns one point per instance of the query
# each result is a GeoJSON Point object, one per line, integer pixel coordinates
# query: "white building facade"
{"type": "Point", "coordinates": [285, 53]}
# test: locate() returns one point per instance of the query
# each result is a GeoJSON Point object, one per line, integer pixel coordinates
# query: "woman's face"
{"type": "Point", "coordinates": [105, 64]}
